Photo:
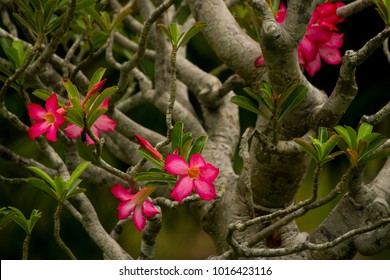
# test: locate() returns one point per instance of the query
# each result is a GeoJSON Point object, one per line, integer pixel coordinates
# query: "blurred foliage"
{"type": "Point", "coordinates": [181, 236]}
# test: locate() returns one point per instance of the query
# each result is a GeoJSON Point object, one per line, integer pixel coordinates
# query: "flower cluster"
{"type": "Point", "coordinates": [195, 175]}
{"type": "Point", "coordinates": [321, 40]}
{"type": "Point", "coordinates": [48, 120]}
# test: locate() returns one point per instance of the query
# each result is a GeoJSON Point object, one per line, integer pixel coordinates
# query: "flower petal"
{"type": "Point", "coordinates": [313, 66]}
{"type": "Point", "coordinates": [37, 129]}
{"type": "Point", "coordinates": [208, 173]}
{"type": "Point", "coordinates": [308, 49]}
{"type": "Point", "coordinates": [149, 209]}
{"type": "Point", "coordinates": [182, 189]}
{"type": "Point", "coordinates": [36, 112]}
{"type": "Point", "coordinates": [205, 189]}
{"type": "Point", "coordinates": [105, 123]}
{"type": "Point", "coordinates": [73, 131]}
{"type": "Point", "coordinates": [125, 208]}
{"type": "Point", "coordinates": [52, 103]}
{"type": "Point", "coordinates": [335, 42]}
{"type": "Point", "coordinates": [51, 133]}
{"type": "Point", "coordinates": [197, 161]}
{"type": "Point", "coordinates": [121, 193]}
{"type": "Point", "coordinates": [139, 219]}
{"type": "Point", "coordinates": [330, 55]}
{"type": "Point", "coordinates": [58, 119]}
{"type": "Point", "coordinates": [176, 165]}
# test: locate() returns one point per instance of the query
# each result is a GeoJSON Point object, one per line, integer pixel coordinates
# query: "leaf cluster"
{"type": "Point", "coordinates": [179, 39]}
{"type": "Point", "coordinates": [16, 53]}
{"type": "Point", "coordinates": [40, 16]}
{"type": "Point", "coordinates": [383, 8]}
{"type": "Point", "coordinates": [270, 105]}
{"type": "Point", "coordinates": [361, 146]}
{"type": "Point", "coordinates": [14, 214]}
{"type": "Point", "coordinates": [320, 148]}
{"type": "Point", "coordinates": [58, 188]}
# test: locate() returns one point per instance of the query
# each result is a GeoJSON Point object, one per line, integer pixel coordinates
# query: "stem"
{"type": "Point", "coordinates": [275, 125]}
{"type": "Point", "coordinates": [26, 243]}
{"type": "Point", "coordinates": [172, 99]}
{"type": "Point", "coordinates": [57, 227]}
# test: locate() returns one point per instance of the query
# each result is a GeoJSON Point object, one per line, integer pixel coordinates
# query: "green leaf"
{"type": "Point", "coordinates": [43, 175]}
{"type": "Point", "coordinates": [166, 31]}
{"type": "Point", "coordinates": [376, 155]}
{"type": "Point", "coordinates": [97, 76]}
{"type": "Point", "coordinates": [322, 135]}
{"type": "Point", "coordinates": [74, 178]}
{"type": "Point", "coordinates": [152, 176]}
{"type": "Point", "coordinates": [74, 97]}
{"type": "Point", "coordinates": [198, 27]}
{"type": "Point", "coordinates": [292, 101]}
{"type": "Point", "coordinates": [364, 130]}
{"type": "Point", "coordinates": [331, 143]}
{"type": "Point", "coordinates": [198, 146]}
{"type": "Point", "coordinates": [247, 104]}
{"type": "Point", "coordinates": [75, 116]}
{"type": "Point", "coordinates": [353, 138]}
{"type": "Point", "coordinates": [123, 13]}
{"type": "Point", "coordinates": [20, 219]}
{"type": "Point", "coordinates": [60, 187]}
{"type": "Point", "coordinates": [342, 131]}
{"type": "Point", "coordinates": [92, 118]}
{"type": "Point", "coordinates": [98, 101]}
{"type": "Point", "coordinates": [309, 148]}
{"type": "Point", "coordinates": [43, 187]}
{"type": "Point", "coordinates": [149, 158]}
{"type": "Point", "coordinates": [34, 217]}
{"type": "Point", "coordinates": [267, 94]}
{"type": "Point", "coordinates": [45, 94]}
{"type": "Point", "coordinates": [256, 95]}
{"type": "Point", "coordinates": [5, 217]}
{"type": "Point", "coordinates": [177, 135]}
{"type": "Point", "coordinates": [174, 30]}
{"type": "Point", "coordinates": [373, 145]}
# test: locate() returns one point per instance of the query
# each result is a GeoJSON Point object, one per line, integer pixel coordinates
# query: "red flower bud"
{"type": "Point", "coordinates": [148, 147]}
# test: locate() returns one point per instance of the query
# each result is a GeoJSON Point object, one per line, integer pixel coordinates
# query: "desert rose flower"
{"type": "Point", "coordinates": [137, 204]}
{"type": "Point", "coordinates": [321, 40]}
{"type": "Point", "coordinates": [197, 175]}
{"type": "Point", "coordinates": [47, 120]}
{"type": "Point", "coordinates": [103, 123]}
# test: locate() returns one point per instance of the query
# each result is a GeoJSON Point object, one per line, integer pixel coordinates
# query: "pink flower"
{"type": "Point", "coordinates": [281, 14]}
{"type": "Point", "coordinates": [197, 175]}
{"type": "Point", "coordinates": [103, 123]}
{"type": "Point", "coordinates": [136, 204]}
{"type": "Point", "coordinates": [148, 147]}
{"type": "Point", "coordinates": [320, 39]}
{"type": "Point", "coordinates": [46, 121]}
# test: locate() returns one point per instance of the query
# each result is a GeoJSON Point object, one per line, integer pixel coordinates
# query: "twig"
{"type": "Point", "coordinates": [307, 245]}
{"type": "Point", "coordinates": [26, 243]}
{"type": "Point", "coordinates": [57, 227]}
{"type": "Point", "coordinates": [353, 8]}
{"type": "Point", "coordinates": [129, 65]}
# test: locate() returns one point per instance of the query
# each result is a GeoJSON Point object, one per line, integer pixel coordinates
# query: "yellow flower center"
{"type": "Point", "coordinates": [49, 117]}
{"type": "Point", "coordinates": [193, 172]}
